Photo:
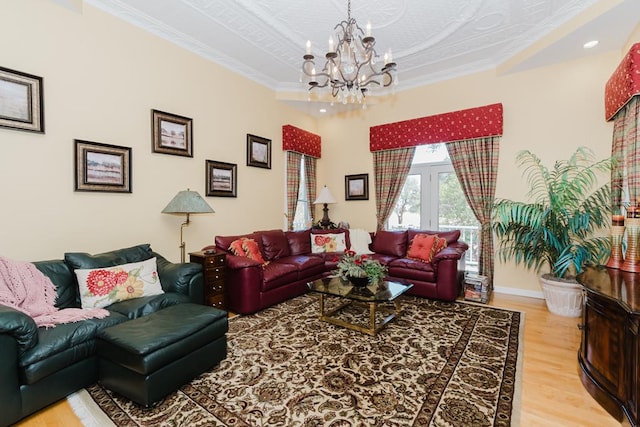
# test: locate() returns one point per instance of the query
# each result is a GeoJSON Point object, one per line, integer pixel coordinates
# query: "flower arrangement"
{"type": "Point", "coordinates": [355, 265]}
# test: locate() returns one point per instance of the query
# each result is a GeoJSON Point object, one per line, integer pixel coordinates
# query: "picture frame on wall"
{"type": "Point", "coordinates": [258, 151]}
{"type": "Point", "coordinates": [221, 179]}
{"type": "Point", "coordinates": [102, 167]}
{"type": "Point", "coordinates": [171, 134]}
{"type": "Point", "coordinates": [356, 187]}
{"type": "Point", "coordinates": [21, 101]}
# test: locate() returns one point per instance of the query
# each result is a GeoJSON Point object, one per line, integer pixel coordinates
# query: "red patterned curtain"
{"type": "Point", "coordinates": [390, 169]}
{"type": "Point", "coordinates": [625, 177]}
{"type": "Point", "coordinates": [300, 144]}
{"type": "Point", "coordinates": [472, 123]}
{"type": "Point", "coordinates": [621, 105]}
{"type": "Point", "coordinates": [476, 164]}
{"type": "Point", "coordinates": [310, 178]}
{"type": "Point", "coordinates": [293, 185]}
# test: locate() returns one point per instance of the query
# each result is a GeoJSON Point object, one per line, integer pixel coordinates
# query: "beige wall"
{"type": "Point", "coordinates": [550, 111]}
{"type": "Point", "coordinates": [103, 77]}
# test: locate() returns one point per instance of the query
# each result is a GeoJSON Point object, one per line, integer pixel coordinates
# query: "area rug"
{"type": "Point", "coordinates": [439, 364]}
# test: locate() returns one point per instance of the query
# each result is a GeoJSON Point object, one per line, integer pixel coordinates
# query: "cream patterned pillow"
{"type": "Point", "coordinates": [100, 287]}
{"type": "Point", "coordinates": [328, 242]}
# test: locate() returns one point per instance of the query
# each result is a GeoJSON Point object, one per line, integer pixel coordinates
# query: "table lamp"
{"type": "Point", "coordinates": [185, 203]}
{"type": "Point", "coordinates": [325, 197]}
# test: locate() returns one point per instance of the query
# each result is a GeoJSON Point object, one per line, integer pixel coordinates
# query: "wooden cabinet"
{"type": "Point", "coordinates": [213, 270]}
{"type": "Point", "coordinates": [609, 354]}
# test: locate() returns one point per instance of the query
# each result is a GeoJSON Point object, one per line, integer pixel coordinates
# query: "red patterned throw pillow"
{"type": "Point", "coordinates": [425, 246]}
{"type": "Point", "coordinates": [236, 247]}
{"type": "Point", "coordinates": [252, 250]}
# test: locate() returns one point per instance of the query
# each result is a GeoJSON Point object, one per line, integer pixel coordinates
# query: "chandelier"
{"type": "Point", "coordinates": [351, 66]}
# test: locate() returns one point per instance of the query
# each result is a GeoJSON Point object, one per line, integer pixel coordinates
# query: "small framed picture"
{"type": "Point", "coordinates": [356, 187]}
{"type": "Point", "coordinates": [21, 101]}
{"type": "Point", "coordinates": [258, 152]}
{"type": "Point", "coordinates": [221, 179]}
{"type": "Point", "coordinates": [102, 167]}
{"type": "Point", "coordinates": [172, 134]}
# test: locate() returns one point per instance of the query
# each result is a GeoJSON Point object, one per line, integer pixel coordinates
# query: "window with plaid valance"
{"type": "Point", "coordinates": [622, 105]}
{"type": "Point", "coordinates": [300, 144]}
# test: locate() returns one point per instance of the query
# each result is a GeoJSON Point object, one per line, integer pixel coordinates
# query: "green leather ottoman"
{"type": "Point", "coordinates": [149, 357]}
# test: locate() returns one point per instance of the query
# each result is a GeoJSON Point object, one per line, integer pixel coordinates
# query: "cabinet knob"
{"type": "Point", "coordinates": [581, 326]}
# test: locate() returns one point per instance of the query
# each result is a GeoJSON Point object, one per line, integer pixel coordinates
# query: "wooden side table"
{"type": "Point", "coordinates": [213, 269]}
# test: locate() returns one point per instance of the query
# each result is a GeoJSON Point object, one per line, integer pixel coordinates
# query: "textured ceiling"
{"type": "Point", "coordinates": [432, 40]}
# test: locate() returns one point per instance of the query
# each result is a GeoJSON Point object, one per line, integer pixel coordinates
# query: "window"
{"type": "Point", "coordinates": [432, 199]}
{"type": "Point", "coordinates": [302, 218]}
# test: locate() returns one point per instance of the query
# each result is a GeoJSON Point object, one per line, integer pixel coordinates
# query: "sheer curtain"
{"type": "Point", "coordinates": [390, 168]}
{"type": "Point", "coordinates": [476, 164]}
{"type": "Point", "coordinates": [310, 179]}
{"type": "Point", "coordinates": [626, 174]}
{"type": "Point", "coordinates": [293, 185]}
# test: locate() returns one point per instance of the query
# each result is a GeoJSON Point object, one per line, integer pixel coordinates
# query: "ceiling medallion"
{"type": "Point", "coordinates": [351, 65]}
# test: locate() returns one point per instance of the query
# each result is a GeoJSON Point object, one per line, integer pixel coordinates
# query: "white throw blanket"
{"type": "Point", "coordinates": [360, 240]}
{"type": "Point", "coordinates": [25, 288]}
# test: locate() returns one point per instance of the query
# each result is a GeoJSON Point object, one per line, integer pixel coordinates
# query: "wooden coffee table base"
{"type": "Point", "coordinates": [374, 307]}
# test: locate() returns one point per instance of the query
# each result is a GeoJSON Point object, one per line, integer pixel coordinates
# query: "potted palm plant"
{"type": "Point", "coordinates": [557, 227]}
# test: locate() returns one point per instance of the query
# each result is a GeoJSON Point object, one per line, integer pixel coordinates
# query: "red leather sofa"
{"type": "Point", "coordinates": [291, 264]}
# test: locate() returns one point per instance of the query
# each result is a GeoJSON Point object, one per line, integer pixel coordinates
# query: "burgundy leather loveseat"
{"type": "Point", "coordinates": [291, 264]}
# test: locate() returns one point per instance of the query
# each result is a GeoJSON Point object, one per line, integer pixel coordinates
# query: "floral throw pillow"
{"type": "Point", "coordinates": [100, 287]}
{"type": "Point", "coordinates": [328, 243]}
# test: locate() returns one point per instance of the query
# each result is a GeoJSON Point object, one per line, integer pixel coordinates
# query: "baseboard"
{"type": "Point", "coordinates": [518, 292]}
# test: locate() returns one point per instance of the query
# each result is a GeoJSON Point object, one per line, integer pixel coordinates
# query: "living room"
{"type": "Point", "coordinates": [103, 77]}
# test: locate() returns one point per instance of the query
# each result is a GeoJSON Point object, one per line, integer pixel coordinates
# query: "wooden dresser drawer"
{"type": "Point", "coordinates": [214, 288]}
{"type": "Point", "coordinates": [214, 261]}
{"type": "Point", "coordinates": [216, 301]}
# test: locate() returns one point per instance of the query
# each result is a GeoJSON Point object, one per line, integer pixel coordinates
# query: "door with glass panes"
{"type": "Point", "coordinates": [432, 199]}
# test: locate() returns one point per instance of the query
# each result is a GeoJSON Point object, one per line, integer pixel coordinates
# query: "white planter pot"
{"type": "Point", "coordinates": [562, 297]}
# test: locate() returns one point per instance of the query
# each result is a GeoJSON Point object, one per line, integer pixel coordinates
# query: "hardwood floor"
{"type": "Point", "coordinates": [552, 394]}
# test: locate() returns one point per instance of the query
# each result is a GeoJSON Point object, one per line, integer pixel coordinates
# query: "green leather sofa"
{"type": "Point", "coordinates": [39, 366]}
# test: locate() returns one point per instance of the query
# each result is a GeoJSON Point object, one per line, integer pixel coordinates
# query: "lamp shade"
{"type": "Point", "coordinates": [325, 196]}
{"type": "Point", "coordinates": [186, 202]}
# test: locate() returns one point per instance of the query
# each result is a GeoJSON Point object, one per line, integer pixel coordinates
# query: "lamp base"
{"type": "Point", "coordinates": [325, 222]}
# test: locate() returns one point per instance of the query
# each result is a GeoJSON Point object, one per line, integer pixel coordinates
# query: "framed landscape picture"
{"type": "Point", "coordinates": [258, 152]}
{"type": "Point", "coordinates": [21, 101]}
{"type": "Point", "coordinates": [102, 167]}
{"type": "Point", "coordinates": [356, 187]}
{"type": "Point", "coordinates": [172, 134]}
{"type": "Point", "coordinates": [221, 179]}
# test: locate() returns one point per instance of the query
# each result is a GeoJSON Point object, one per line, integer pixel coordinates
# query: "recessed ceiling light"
{"type": "Point", "coordinates": [323, 110]}
{"type": "Point", "coordinates": [592, 43]}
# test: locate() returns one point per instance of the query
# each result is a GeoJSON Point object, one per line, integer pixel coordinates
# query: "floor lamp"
{"type": "Point", "coordinates": [185, 203]}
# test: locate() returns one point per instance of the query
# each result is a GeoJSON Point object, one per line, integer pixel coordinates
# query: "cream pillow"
{"type": "Point", "coordinates": [328, 242]}
{"type": "Point", "coordinates": [100, 287]}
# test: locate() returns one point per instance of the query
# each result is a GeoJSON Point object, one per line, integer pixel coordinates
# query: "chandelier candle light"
{"type": "Point", "coordinates": [350, 65]}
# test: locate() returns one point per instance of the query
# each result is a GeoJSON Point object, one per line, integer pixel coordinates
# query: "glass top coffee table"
{"type": "Point", "coordinates": [378, 297]}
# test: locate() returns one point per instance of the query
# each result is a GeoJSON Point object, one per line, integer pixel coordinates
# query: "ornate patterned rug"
{"type": "Point", "coordinates": [440, 364]}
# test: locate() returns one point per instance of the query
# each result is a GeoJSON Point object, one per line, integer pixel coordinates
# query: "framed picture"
{"type": "Point", "coordinates": [102, 167]}
{"type": "Point", "coordinates": [356, 187]}
{"type": "Point", "coordinates": [21, 101]}
{"type": "Point", "coordinates": [258, 152]}
{"type": "Point", "coordinates": [172, 134]}
{"type": "Point", "coordinates": [221, 179]}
